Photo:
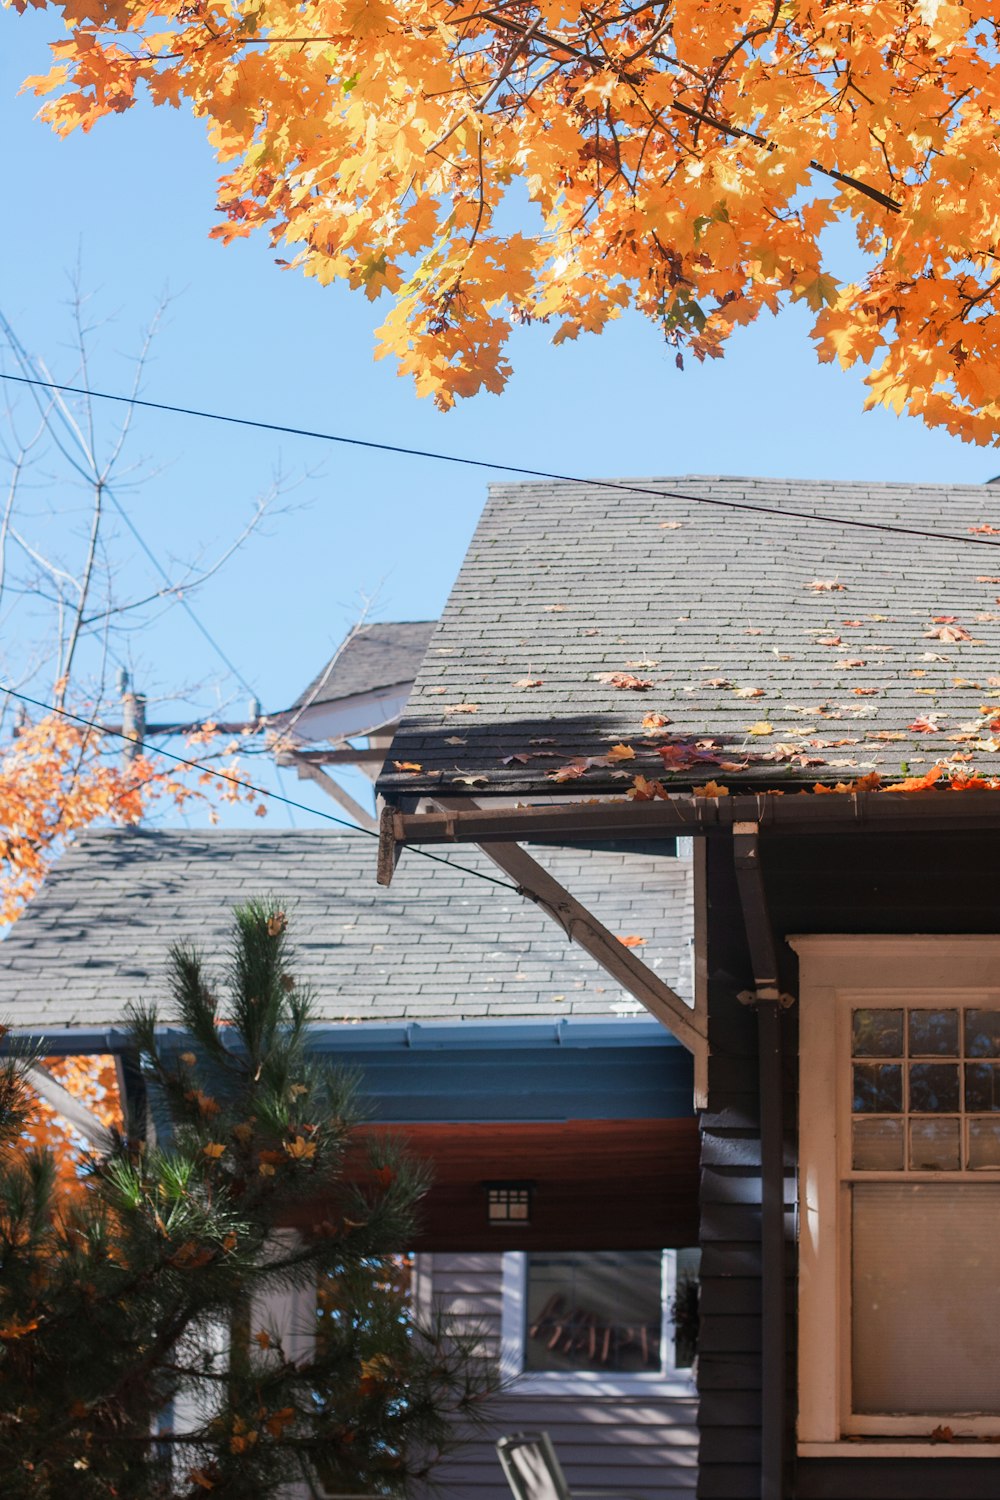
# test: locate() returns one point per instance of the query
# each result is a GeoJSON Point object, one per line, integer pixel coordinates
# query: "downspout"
{"type": "Point", "coordinates": [768, 1001]}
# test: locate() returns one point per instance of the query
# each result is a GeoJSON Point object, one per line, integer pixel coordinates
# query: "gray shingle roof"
{"type": "Point", "coordinates": [840, 640]}
{"type": "Point", "coordinates": [438, 945]}
{"type": "Point", "coordinates": [381, 655]}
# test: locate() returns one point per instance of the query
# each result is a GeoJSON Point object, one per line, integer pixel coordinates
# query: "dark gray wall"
{"type": "Point", "coordinates": [835, 883]}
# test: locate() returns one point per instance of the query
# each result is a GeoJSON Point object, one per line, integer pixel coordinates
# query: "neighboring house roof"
{"type": "Point", "coordinates": [441, 945]}
{"type": "Point", "coordinates": [795, 650]}
{"type": "Point", "coordinates": [376, 657]}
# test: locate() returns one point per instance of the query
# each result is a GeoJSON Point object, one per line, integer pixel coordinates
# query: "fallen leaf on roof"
{"type": "Point", "coordinates": [962, 682]}
{"type": "Point", "coordinates": [826, 586]}
{"type": "Point", "coordinates": [749, 692]}
{"type": "Point", "coordinates": [984, 530]}
{"type": "Point", "coordinates": [645, 790]}
{"type": "Point", "coordinates": [949, 633]}
{"type": "Point", "coordinates": [434, 692]}
{"type": "Point", "coordinates": [885, 735]}
{"type": "Point", "coordinates": [973, 783]}
{"type": "Point", "coordinates": [632, 940]}
{"type": "Point", "coordinates": [761, 728]}
{"type": "Point", "coordinates": [545, 740]}
{"type": "Point", "coordinates": [526, 682]}
{"type": "Point", "coordinates": [655, 721]}
{"type": "Point", "coordinates": [624, 681]}
{"type": "Point", "coordinates": [569, 772]}
{"type": "Point", "coordinates": [987, 578]}
{"type": "Point", "coordinates": [781, 655]}
{"type": "Point", "coordinates": [718, 682]}
{"type": "Point", "coordinates": [515, 760]}
{"type": "Point", "coordinates": [944, 619]}
{"type": "Point", "coordinates": [852, 624]}
{"type": "Point", "coordinates": [408, 765]}
{"type": "Point", "coordinates": [849, 662]}
{"type": "Point", "coordinates": [830, 640]}
{"type": "Point", "coordinates": [470, 780]}
{"type": "Point", "coordinates": [644, 664]}
{"type": "Point", "coordinates": [620, 752]}
{"type": "Point", "coordinates": [553, 609]}
{"type": "Point", "coordinates": [733, 765]}
{"type": "Point", "coordinates": [752, 630]}
{"type": "Point", "coordinates": [671, 525]}
{"type": "Point", "coordinates": [461, 708]}
{"type": "Point", "coordinates": [866, 692]}
{"type": "Point", "coordinates": [924, 724]}
{"type": "Point", "coordinates": [455, 739]}
{"type": "Point", "coordinates": [918, 783]}
{"type": "Point", "coordinates": [591, 632]}
{"type": "Point", "coordinates": [710, 789]}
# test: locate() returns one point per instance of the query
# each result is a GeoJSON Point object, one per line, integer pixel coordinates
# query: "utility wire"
{"type": "Point", "coordinates": [249, 786]}
{"type": "Point", "coordinates": [502, 468]}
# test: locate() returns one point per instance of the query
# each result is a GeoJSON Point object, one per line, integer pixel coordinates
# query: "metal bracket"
{"type": "Point", "coordinates": [766, 996]}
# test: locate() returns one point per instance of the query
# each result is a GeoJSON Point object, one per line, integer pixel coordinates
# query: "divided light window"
{"type": "Point", "coordinates": [900, 1193]}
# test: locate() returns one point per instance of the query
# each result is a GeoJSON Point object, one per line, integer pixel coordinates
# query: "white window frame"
{"type": "Point", "coordinates": [667, 1381]}
{"type": "Point", "coordinates": [836, 974]}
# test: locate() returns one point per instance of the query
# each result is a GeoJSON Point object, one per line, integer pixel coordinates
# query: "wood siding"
{"type": "Point", "coordinates": [644, 1444]}
{"type": "Point", "coordinates": [846, 883]}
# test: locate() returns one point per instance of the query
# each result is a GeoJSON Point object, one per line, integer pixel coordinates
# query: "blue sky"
{"type": "Point", "coordinates": [133, 202]}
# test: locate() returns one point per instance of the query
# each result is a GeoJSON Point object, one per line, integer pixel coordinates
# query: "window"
{"type": "Point", "coordinates": [900, 1193]}
{"type": "Point", "coordinates": [606, 1321]}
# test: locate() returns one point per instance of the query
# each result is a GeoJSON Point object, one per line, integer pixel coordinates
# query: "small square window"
{"type": "Point", "coordinates": [508, 1202]}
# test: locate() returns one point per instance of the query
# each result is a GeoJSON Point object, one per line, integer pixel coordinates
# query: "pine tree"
{"type": "Point", "coordinates": [137, 1355]}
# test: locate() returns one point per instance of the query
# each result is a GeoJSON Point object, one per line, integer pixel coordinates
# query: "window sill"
{"type": "Point", "coordinates": [586, 1384]}
{"type": "Point", "coordinates": [900, 1448]}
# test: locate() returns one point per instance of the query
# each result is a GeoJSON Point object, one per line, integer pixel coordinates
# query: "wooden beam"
{"type": "Point", "coordinates": [582, 927]}
{"type": "Point", "coordinates": [344, 755]}
{"type": "Point", "coordinates": [308, 772]}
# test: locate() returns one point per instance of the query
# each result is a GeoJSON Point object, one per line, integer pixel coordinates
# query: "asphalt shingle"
{"type": "Point", "coordinates": [378, 656]}
{"type": "Point", "coordinates": [857, 650]}
{"type": "Point", "coordinates": [439, 945]}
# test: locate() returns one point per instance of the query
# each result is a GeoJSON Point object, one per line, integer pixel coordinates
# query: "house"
{"type": "Point", "coordinates": [558, 1117]}
{"type": "Point", "coordinates": [805, 679]}
{"type": "Point", "coordinates": [359, 693]}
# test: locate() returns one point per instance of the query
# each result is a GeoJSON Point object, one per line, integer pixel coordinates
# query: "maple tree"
{"type": "Point", "coordinates": [684, 157]}
{"type": "Point", "coordinates": [140, 1357]}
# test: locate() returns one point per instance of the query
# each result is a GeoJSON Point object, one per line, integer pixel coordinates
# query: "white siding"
{"type": "Point", "coordinates": [647, 1445]}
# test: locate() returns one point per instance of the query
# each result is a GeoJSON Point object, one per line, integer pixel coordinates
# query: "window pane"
{"type": "Point", "coordinates": [684, 1314]}
{"type": "Point", "coordinates": [933, 1033]}
{"type": "Point", "coordinates": [982, 1033]}
{"type": "Point", "coordinates": [878, 1033]}
{"type": "Point", "coordinates": [984, 1144]}
{"type": "Point", "coordinates": [934, 1146]}
{"type": "Point", "coordinates": [934, 1088]}
{"type": "Point", "coordinates": [878, 1088]}
{"type": "Point", "coordinates": [982, 1087]}
{"type": "Point", "coordinates": [877, 1145]}
{"type": "Point", "coordinates": [594, 1310]}
{"type": "Point", "coordinates": [925, 1297]}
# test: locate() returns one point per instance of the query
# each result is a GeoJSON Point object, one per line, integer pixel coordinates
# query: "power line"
{"type": "Point", "coordinates": [503, 468]}
{"type": "Point", "coordinates": [248, 786]}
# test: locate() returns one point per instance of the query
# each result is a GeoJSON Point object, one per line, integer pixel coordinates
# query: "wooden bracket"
{"type": "Point", "coordinates": [582, 927]}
